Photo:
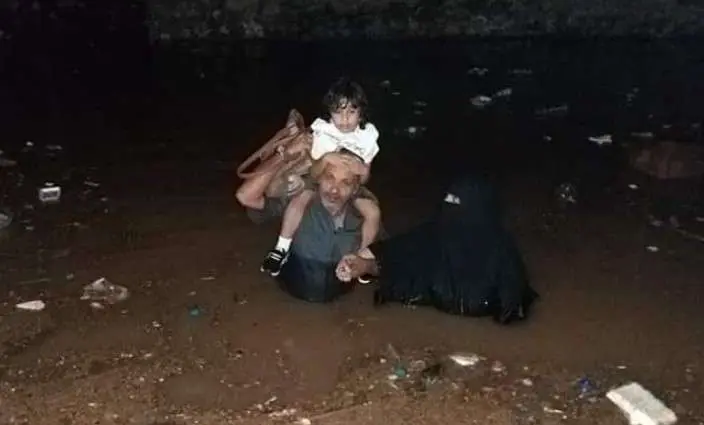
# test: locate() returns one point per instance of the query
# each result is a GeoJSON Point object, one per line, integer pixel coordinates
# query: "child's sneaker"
{"type": "Point", "coordinates": [364, 280]}
{"type": "Point", "coordinates": [273, 262]}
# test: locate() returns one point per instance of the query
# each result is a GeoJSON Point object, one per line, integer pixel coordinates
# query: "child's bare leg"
{"type": "Point", "coordinates": [293, 215]}
{"type": "Point", "coordinates": [371, 215]}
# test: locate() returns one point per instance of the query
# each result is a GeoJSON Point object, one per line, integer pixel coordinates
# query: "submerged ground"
{"type": "Point", "coordinates": [145, 152]}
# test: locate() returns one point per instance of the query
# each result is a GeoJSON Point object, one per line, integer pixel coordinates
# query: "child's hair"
{"type": "Point", "coordinates": [345, 92]}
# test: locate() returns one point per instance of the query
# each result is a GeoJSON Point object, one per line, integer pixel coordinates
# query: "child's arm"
{"type": "Point", "coordinates": [371, 215]}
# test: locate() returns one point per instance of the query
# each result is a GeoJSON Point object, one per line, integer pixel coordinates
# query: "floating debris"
{"type": "Point", "coordinates": [36, 305]}
{"type": "Point", "coordinates": [480, 101]}
{"type": "Point", "coordinates": [50, 193]}
{"type": "Point", "coordinates": [478, 71]}
{"type": "Point", "coordinates": [641, 407]}
{"type": "Point", "coordinates": [553, 111]}
{"type": "Point", "coordinates": [466, 359]}
{"type": "Point", "coordinates": [102, 290]}
{"type": "Point", "coordinates": [604, 139]}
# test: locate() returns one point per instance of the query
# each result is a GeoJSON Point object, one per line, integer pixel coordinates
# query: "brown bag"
{"type": "Point", "coordinates": [292, 143]}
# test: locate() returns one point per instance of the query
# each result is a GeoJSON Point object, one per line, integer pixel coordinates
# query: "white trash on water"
{"type": "Point", "coordinates": [49, 193]}
{"type": "Point", "coordinates": [478, 71]}
{"type": "Point", "coordinates": [36, 305]}
{"type": "Point", "coordinates": [480, 101]}
{"type": "Point", "coordinates": [465, 359]}
{"type": "Point", "coordinates": [604, 139]}
{"type": "Point", "coordinates": [5, 219]}
{"type": "Point", "coordinates": [102, 290]}
{"type": "Point", "coordinates": [640, 406]}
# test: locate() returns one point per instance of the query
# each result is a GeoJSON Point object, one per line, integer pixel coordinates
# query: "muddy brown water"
{"type": "Point", "coordinates": [164, 223]}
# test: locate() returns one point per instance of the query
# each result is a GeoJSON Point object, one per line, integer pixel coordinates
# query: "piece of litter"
{"type": "Point", "coordinates": [527, 382]}
{"type": "Point", "coordinates": [652, 248]}
{"type": "Point", "coordinates": [480, 101]}
{"type": "Point", "coordinates": [699, 219]}
{"type": "Point", "coordinates": [304, 421]}
{"type": "Point", "coordinates": [478, 71]}
{"type": "Point", "coordinates": [554, 110]}
{"type": "Point", "coordinates": [5, 220]}
{"type": "Point", "coordinates": [97, 306]}
{"type": "Point", "coordinates": [633, 186]}
{"type": "Point", "coordinates": [36, 305]}
{"type": "Point", "coordinates": [91, 184]}
{"type": "Point", "coordinates": [548, 409]}
{"type": "Point", "coordinates": [207, 278]}
{"type": "Point", "coordinates": [469, 359]}
{"type": "Point", "coordinates": [504, 93]}
{"type": "Point", "coordinates": [102, 290]}
{"type": "Point", "coordinates": [49, 193]}
{"type": "Point", "coordinates": [641, 407]}
{"type": "Point", "coordinates": [643, 135]}
{"type": "Point", "coordinates": [604, 139]}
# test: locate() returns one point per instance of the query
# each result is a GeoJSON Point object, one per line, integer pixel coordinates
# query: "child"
{"type": "Point", "coordinates": [347, 130]}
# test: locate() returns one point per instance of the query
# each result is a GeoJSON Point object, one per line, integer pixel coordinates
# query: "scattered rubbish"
{"type": "Point", "coordinates": [633, 186]}
{"type": "Point", "coordinates": [207, 278]}
{"type": "Point", "coordinates": [5, 219]}
{"type": "Point", "coordinates": [97, 306]}
{"type": "Point", "coordinates": [527, 382]}
{"type": "Point", "coordinates": [395, 93]}
{"type": "Point", "coordinates": [566, 193]}
{"type": "Point", "coordinates": [385, 83]}
{"type": "Point", "coordinates": [303, 421]}
{"type": "Point", "coordinates": [498, 367]}
{"type": "Point", "coordinates": [585, 386]}
{"type": "Point", "coordinates": [504, 93]}
{"type": "Point", "coordinates": [604, 139]}
{"type": "Point", "coordinates": [194, 311]}
{"type": "Point", "coordinates": [103, 290]}
{"type": "Point", "coordinates": [641, 407]}
{"type": "Point", "coordinates": [699, 219]}
{"type": "Point", "coordinates": [643, 135]}
{"type": "Point", "coordinates": [469, 359]}
{"type": "Point", "coordinates": [548, 409]}
{"type": "Point", "coordinates": [54, 148]}
{"type": "Point", "coordinates": [547, 138]}
{"type": "Point", "coordinates": [553, 111]}
{"type": "Point", "coordinates": [36, 305]}
{"type": "Point", "coordinates": [480, 101]}
{"type": "Point", "coordinates": [652, 248]}
{"type": "Point", "coordinates": [91, 184]}
{"type": "Point", "coordinates": [419, 104]}
{"type": "Point", "coordinates": [49, 193]}
{"type": "Point", "coordinates": [478, 71]}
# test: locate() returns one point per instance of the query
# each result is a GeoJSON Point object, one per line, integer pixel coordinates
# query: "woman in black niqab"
{"type": "Point", "coordinates": [463, 261]}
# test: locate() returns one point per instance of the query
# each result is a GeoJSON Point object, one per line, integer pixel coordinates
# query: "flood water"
{"type": "Point", "coordinates": [145, 143]}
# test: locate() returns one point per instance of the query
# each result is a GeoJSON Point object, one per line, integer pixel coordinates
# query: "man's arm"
{"type": "Point", "coordinates": [251, 193]}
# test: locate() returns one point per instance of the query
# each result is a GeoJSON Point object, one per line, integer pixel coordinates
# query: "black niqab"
{"type": "Point", "coordinates": [463, 261]}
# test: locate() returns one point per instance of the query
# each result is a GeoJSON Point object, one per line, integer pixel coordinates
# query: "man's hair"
{"type": "Point", "coordinates": [345, 92]}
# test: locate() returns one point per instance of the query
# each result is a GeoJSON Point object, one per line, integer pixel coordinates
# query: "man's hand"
{"type": "Point", "coordinates": [353, 266]}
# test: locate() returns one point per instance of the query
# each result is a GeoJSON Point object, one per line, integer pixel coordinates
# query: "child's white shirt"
{"type": "Point", "coordinates": [327, 138]}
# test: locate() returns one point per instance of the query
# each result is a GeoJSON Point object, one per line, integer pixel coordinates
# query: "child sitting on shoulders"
{"type": "Point", "coordinates": [346, 130]}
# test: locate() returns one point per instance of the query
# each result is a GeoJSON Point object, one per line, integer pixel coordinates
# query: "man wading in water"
{"type": "Point", "coordinates": [329, 229]}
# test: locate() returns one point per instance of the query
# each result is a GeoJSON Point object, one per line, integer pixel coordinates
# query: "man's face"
{"type": "Point", "coordinates": [336, 186]}
{"type": "Point", "coordinates": [346, 117]}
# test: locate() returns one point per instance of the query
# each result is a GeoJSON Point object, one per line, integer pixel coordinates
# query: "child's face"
{"type": "Point", "coordinates": [345, 117]}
